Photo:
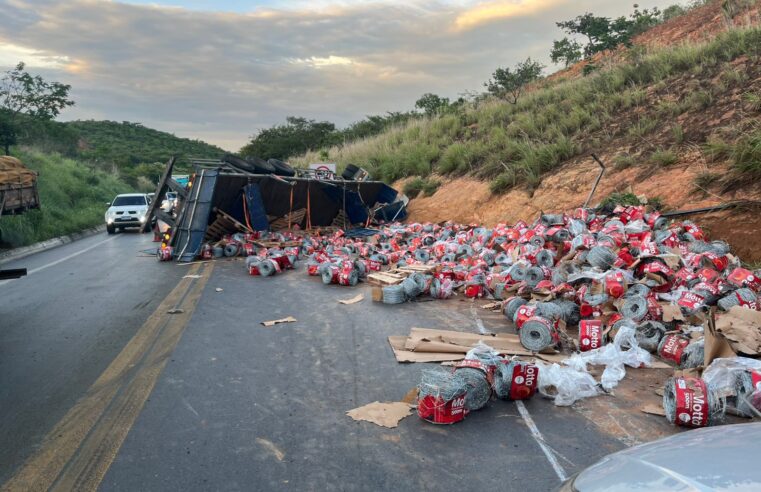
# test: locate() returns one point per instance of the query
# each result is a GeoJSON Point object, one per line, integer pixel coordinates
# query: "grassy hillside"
{"type": "Point", "coordinates": [128, 144]}
{"type": "Point", "coordinates": [72, 196]}
{"type": "Point", "coordinates": [651, 107]}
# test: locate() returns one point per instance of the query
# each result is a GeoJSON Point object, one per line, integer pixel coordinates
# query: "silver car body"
{"type": "Point", "coordinates": [719, 458]}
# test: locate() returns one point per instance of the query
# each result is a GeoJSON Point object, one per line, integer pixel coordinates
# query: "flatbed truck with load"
{"type": "Point", "coordinates": [18, 193]}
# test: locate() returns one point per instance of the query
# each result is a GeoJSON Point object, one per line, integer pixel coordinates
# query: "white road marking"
{"type": "Point", "coordinates": [61, 260]}
{"type": "Point", "coordinates": [559, 471]}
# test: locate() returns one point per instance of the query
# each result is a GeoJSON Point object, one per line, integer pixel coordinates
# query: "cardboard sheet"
{"type": "Point", "coordinates": [427, 345]}
{"type": "Point", "coordinates": [353, 300]}
{"type": "Point", "coordinates": [742, 329]}
{"type": "Point", "coordinates": [654, 410]}
{"type": "Point", "coordinates": [386, 414]}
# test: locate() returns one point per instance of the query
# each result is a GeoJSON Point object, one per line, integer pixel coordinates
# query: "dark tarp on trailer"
{"type": "Point", "coordinates": [276, 197]}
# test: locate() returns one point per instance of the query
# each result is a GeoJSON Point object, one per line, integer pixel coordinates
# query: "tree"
{"type": "Point", "coordinates": [603, 33]}
{"type": "Point", "coordinates": [509, 84]}
{"type": "Point", "coordinates": [432, 104]}
{"type": "Point", "coordinates": [566, 50]}
{"type": "Point", "coordinates": [7, 134]}
{"type": "Point", "coordinates": [297, 136]}
{"type": "Point", "coordinates": [23, 93]}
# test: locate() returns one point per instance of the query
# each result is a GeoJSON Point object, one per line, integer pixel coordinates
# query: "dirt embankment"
{"type": "Point", "coordinates": [468, 200]}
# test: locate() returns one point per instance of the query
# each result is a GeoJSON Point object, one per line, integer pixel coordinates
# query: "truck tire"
{"type": "Point", "coordinates": [110, 228]}
{"type": "Point", "coordinates": [349, 172]}
{"type": "Point", "coordinates": [281, 168]}
{"type": "Point", "coordinates": [252, 165]}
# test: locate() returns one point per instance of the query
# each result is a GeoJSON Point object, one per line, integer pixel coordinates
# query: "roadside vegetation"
{"type": "Point", "coordinates": [634, 105]}
{"type": "Point", "coordinates": [73, 197]}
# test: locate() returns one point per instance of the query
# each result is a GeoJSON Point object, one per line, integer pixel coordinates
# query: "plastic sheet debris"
{"type": "Point", "coordinates": [384, 414]}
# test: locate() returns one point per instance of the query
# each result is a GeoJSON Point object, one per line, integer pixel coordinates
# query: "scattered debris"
{"type": "Point", "coordinates": [654, 410]}
{"type": "Point", "coordinates": [386, 414]}
{"type": "Point", "coordinates": [192, 276]}
{"type": "Point", "coordinates": [271, 448]}
{"type": "Point", "coordinates": [353, 300]}
{"type": "Point", "coordinates": [219, 289]}
{"type": "Point", "coordinates": [289, 319]}
{"type": "Point", "coordinates": [175, 311]}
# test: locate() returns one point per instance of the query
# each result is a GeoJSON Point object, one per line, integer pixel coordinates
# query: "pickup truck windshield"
{"type": "Point", "coordinates": [123, 201]}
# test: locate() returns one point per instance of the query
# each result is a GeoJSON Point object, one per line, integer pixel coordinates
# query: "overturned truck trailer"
{"type": "Point", "coordinates": [223, 200]}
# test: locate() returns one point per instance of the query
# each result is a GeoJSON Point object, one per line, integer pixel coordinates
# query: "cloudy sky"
{"type": "Point", "coordinates": [219, 70]}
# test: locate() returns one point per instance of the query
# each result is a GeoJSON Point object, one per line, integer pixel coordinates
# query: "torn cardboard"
{"type": "Point", "coordinates": [386, 414]}
{"type": "Point", "coordinates": [654, 410]}
{"type": "Point", "coordinates": [289, 319]}
{"type": "Point", "coordinates": [353, 300]}
{"type": "Point", "coordinates": [741, 327]}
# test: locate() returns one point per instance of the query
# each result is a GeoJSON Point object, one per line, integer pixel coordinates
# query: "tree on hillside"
{"type": "Point", "coordinates": [508, 84]}
{"type": "Point", "coordinates": [297, 136]}
{"type": "Point", "coordinates": [432, 104]}
{"type": "Point", "coordinates": [601, 33]}
{"type": "Point", "coordinates": [567, 51]}
{"type": "Point", "coordinates": [31, 95]}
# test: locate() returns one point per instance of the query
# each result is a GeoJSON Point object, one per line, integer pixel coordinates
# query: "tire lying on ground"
{"type": "Point", "coordinates": [281, 168]}
{"type": "Point", "coordinates": [350, 171]}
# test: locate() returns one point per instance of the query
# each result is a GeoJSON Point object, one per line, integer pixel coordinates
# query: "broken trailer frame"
{"type": "Point", "coordinates": [249, 202]}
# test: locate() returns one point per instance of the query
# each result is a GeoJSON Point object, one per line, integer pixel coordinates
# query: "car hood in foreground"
{"type": "Point", "coordinates": [716, 459]}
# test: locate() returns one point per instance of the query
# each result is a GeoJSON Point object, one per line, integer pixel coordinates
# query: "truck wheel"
{"type": "Point", "coordinates": [110, 228]}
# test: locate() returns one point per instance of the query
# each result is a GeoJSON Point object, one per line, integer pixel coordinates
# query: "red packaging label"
{"type": "Point", "coordinates": [477, 364]}
{"type": "Point", "coordinates": [755, 377]}
{"type": "Point", "coordinates": [691, 402]}
{"type": "Point", "coordinates": [590, 334]}
{"type": "Point", "coordinates": [614, 284]}
{"type": "Point", "coordinates": [524, 382]}
{"type": "Point", "coordinates": [708, 275]}
{"type": "Point", "coordinates": [673, 347]}
{"type": "Point", "coordinates": [474, 290]}
{"type": "Point", "coordinates": [740, 277]}
{"type": "Point", "coordinates": [438, 411]}
{"type": "Point", "coordinates": [754, 305]}
{"type": "Point", "coordinates": [313, 269]}
{"type": "Point", "coordinates": [523, 314]}
{"type": "Point", "coordinates": [649, 249]}
{"type": "Point", "coordinates": [656, 268]}
{"type": "Point", "coordinates": [690, 300]}
{"type": "Point", "coordinates": [654, 309]}
{"type": "Point", "coordinates": [694, 230]}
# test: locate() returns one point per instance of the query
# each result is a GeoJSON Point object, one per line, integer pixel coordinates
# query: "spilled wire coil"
{"type": "Point", "coordinates": [422, 255]}
{"type": "Point", "coordinates": [637, 290]}
{"type": "Point", "coordinates": [218, 251]}
{"type": "Point", "coordinates": [502, 259]}
{"type": "Point", "coordinates": [733, 298]}
{"type": "Point", "coordinates": [745, 390]}
{"type": "Point", "coordinates": [266, 268]}
{"type": "Point", "coordinates": [518, 272]}
{"type": "Point", "coordinates": [649, 335]}
{"type": "Point", "coordinates": [634, 307]}
{"type": "Point", "coordinates": [693, 355]}
{"type": "Point", "coordinates": [512, 305]}
{"type": "Point", "coordinates": [601, 257]}
{"type": "Point", "coordinates": [536, 334]}
{"type": "Point", "coordinates": [441, 384]}
{"type": "Point", "coordinates": [232, 249]}
{"type": "Point", "coordinates": [361, 268]}
{"type": "Point", "coordinates": [326, 273]}
{"type": "Point", "coordinates": [537, 241]}
{"type": "Point", "coordinates": [413, 285]}
{"type": "Point", "coordinates": [478, 389]}
{"type": "Point", "coordinates": [394, 294]}
{"type": "Point", "coordinates": [716, 406]}
{"type": "Point", "coordinates": [503, 379]}
{"type": "Point", "coordinates": [441, 289]}
{"type": "Point", "coordinates": [545, 258]}
{"type": "Point", "coordinates": [534, 275]}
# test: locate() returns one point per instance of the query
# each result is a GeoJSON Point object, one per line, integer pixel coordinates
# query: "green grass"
{"type": "Point", "coordinates": [518, 144]}
{"type": "Point", "coordinates": [421, 186]}
{"type": "Point", "coordinates": [72, 198]}
{"type": "Point", "coordinates": [663, 157]}
{"type": "Point", "coordinates": [705, 179]}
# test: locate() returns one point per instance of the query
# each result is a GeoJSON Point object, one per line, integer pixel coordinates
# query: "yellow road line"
{"type": "Point", "coordinates": [76, 454]}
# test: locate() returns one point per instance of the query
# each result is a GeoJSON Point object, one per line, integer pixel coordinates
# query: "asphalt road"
{"type": "Point", "coordinates": [224, 403]}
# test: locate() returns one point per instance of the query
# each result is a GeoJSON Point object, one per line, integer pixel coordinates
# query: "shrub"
{"type": "Point", "coordinates": [663, 157]}
{"type": "Point", "coordinates": [419, 185]}
{"type": "Point", "coordinates": [623, 161]}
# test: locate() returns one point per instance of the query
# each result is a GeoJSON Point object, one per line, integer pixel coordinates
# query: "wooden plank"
{"type": "Point", "coordinates": [177, 188]}
{"type": "Point", "coordinates": [417, 268]}
{"type": "Point", "coordinates": [384, 278]}
{"type": "Point", "coordinates": [238, 225]}
{"type": "Point", "coordinates": [377, 293]}
{"type": "Point", "coordinates": [165, 217]}
{"type": "Point", "coordinates": [159, 196]}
